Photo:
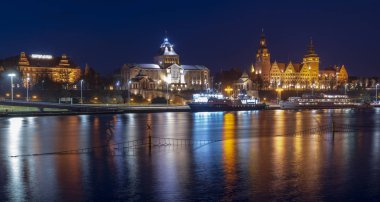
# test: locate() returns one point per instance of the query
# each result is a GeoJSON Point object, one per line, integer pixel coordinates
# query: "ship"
{"type": "Point", "coordinates": [217, 102]}
{"type": "Point", "coordinates": [319, 101]}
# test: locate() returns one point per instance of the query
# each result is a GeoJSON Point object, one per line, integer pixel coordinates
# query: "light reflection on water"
{"type": "Point", "coordinates": [254, 161]}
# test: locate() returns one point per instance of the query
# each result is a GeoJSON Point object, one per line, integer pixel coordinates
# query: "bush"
{"type": "Point", "coordinates": [159, 100]}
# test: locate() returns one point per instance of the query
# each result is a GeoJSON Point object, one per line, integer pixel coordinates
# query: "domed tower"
{"type": "Point", "coordinates": [311, 60]}
{"type": "Point", "coordinates": [262, 63]}
{"type": "Point", "coordinates": [166, 55]}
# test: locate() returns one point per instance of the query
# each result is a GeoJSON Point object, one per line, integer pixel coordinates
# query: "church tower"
{"type": "Point", "coordinates": [311, 62]}
{"type": "Point", "coordinates": [262, 63]}
{"type": "Point", "coordinates": [166, 55]}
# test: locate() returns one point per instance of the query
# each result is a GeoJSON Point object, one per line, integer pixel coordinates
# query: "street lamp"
{"type": "Point", "coordinates": [12, 75]}
{"type": "Point", "coordinates": [279, 91]}
{"type": "Point", "coordinates": [81, 91]}
{"type": "Point", "coordinates": [129, 91]}
{"type": "Point", "coordinates": [27, 88]}
{"type": "Point", "coordinates": [376, 92]}
{"type": "Point", "coordinates": [167, 92]}
{"type": "Point", "coordinates": [228, 90]}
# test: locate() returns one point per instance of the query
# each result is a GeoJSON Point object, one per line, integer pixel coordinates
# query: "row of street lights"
{"type": "Point", "coordinates": [11, 75]}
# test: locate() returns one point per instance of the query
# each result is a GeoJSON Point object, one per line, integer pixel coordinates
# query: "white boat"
{"type": "Point", "coordinates": [217, 102]}
{"type": "Point", "coordinates": [319, 101]}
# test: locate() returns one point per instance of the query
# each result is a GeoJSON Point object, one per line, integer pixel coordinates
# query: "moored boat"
{"type": "Point", "coordinates": [319, 101]}
{"type": "Point", "coordinates": [217, 102]}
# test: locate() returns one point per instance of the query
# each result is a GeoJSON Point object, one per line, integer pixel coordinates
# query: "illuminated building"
{"type": "Point", "coordinates": [42, 67]}
{"type": "Point", "coordinates": [244, 85]}
{"type": "Point", "coordinates": [166, 72]}
{"type": "Point", "coordinates": [262, 64]}
{"type": "Point", "coordinates": [303, 75]}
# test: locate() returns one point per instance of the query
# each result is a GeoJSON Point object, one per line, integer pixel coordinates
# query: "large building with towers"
{"type": "Point", "coordinates": [167, 72]}
{"type": "Point", "coordinates": [303, 75]}
{"type": "Point", "coordinates": [38, 68]}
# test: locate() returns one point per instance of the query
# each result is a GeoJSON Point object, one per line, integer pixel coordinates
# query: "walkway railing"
{"type": "Point", "coordinates": [331, 129]}
{"type": "Point", "coordinates": [123, 147]}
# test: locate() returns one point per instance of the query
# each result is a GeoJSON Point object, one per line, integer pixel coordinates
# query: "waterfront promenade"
{"type": "Point", "coordinates": [35, 109]}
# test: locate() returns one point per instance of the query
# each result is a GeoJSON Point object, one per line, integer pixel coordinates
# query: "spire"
{"type": "Point", "coordinates": [86, 70]}
{"type": "Point", "coordinates": [310, 48]}
{"type": "Point", "coordinates": [263, 41]}
{"type": "Point", "coordinates": [252, 68]}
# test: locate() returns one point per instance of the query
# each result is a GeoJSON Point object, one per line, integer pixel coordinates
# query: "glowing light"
{"type": "Point", "coordinates": [228, 89]}
{"type": "Point", "coordinates": [167, 79]}
{"type": "Point", "coordinates": [39, 56]}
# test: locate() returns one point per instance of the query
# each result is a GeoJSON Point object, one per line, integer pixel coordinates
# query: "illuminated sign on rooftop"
{"type": "Point", "coordinates": [39, 56]}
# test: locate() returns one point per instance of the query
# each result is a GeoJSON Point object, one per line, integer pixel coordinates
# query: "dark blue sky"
{"type": "Point", "coordinates": [215, 33]}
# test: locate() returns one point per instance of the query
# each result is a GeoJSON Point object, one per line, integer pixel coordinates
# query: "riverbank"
{"type": "Point", "coordinates": [123, 109]}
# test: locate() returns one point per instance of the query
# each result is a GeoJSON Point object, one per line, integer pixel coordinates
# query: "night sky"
{"type": "Point", "coordinates": [216, 33]}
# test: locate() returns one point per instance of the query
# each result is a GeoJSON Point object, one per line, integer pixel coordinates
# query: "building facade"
{"type": "Point", "coordinates": [38, 67]}
{"type": "Point", "coordinates": [244, 85]}
{"type": "Point", "coordinates": [166, 72]}
{"type": "Point", "coordinates": [304, 75]}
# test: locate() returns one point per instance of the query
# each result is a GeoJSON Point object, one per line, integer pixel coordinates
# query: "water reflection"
{"type": "Point", "coordinates": [254, 161]}
{"type": "Point", "coordinates": [16, 184]}
{"type": "Point", "coordinates": [229, 153]}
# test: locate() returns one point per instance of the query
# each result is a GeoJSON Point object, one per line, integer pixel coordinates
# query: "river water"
{"type": "Point", "coordinates": [255, 157]}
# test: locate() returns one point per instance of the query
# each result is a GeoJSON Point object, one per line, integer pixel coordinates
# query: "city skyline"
{"type": "Point", "coordinates": [216, 100]}
{"type": "Point", "coordinates": [107, 36]}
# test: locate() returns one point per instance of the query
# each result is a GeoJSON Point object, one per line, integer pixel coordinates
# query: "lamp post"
{"type": "Point", "coordinates": [117, 90]}
{"type": "Point", "coordinates": [167, 92]}
{"type": "Point", "coordinates": [81, 91]}
{"type": "Point", "coordinates": [376, 92]}
{"type": "Point", "coordinates": [166, 79]}
{"type": "Point", "coordinates": [12, 75]}
{"type": "Point", "coordinates": [279, 91]}
{"type": "Point", "coordinates": [129, 92]}
{"type": "Point", "coordinates": [27, 88]}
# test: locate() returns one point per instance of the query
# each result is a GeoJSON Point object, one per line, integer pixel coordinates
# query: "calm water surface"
{"type": "Point", "coordinates": [254, 160]}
